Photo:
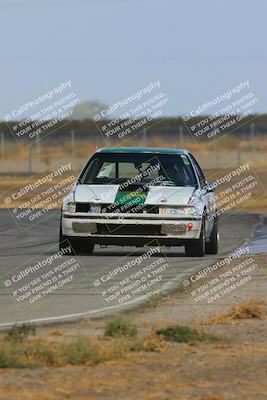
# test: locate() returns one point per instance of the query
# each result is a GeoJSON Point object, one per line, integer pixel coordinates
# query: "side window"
{"type": "Point", "coordinates": [201, 176]}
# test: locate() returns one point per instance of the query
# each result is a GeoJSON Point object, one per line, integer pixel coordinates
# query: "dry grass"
{"type": "Point", "coordinates": [150, 343]}
{"type": "Point", "coordinates": [75, 350]}
{"type": "Point", "coordinates": [57, 332]}
{"type": "Point", "coordinates": [48, 151]}
{"type": "Point", "coordinates": [252, 309]}
{"type": "Point", "coordinates": [119, 326]}
{"type": "Point", "coordinates": [146, 367]}
{"type": "Point", "coordinates": [81, 350]}
{"type": "Point", "coordinates": [18, 350]}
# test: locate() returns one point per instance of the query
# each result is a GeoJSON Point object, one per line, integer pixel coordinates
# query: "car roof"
{"type": "Point", "coordinates": [153, 150]}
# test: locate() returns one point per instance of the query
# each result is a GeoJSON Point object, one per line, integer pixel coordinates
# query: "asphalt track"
{"type": "Point", "coordinates": [82, 297]}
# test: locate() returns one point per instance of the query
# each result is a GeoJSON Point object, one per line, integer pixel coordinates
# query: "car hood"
{"type": "Point", "coordinates": [106, 194]}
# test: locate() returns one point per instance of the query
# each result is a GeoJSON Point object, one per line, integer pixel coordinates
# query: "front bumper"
{"type": "Point", "coordinates": [113, 228]}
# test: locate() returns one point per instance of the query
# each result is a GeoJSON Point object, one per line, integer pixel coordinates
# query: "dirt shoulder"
{"type": "Point", "coordinates": [234, 367]}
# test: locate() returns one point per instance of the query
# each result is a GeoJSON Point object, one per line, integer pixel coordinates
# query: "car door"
{"type": "Point", "coordinates": [207, 197]}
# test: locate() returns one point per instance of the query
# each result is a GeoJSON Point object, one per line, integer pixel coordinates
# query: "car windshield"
{"type": "Point", "coordinates": [139, 168]}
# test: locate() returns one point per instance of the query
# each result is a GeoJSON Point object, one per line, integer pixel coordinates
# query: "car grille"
{"type": "Point", "coordinates": [128, 230]}
{"type": "Point", "coordinates": [131, 209]}
{"type": "Point", "coordinates": [82, 207]}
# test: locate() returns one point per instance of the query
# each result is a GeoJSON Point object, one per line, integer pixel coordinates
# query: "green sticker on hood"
{"type": "Point", "coordinates": [130, 197]}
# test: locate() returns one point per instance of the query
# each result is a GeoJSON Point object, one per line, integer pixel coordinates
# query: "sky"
{"type": "Point", "coordinates": [109, 49]}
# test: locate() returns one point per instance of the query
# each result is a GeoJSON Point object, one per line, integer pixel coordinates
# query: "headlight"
{"type": "Point", "coordinates": [71, 207]}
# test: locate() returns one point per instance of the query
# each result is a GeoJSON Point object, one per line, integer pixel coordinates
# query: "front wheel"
{"type": "Point", "coordinates": [212, 245]}
{"type": "Point", "coordinates": [80, 247]}
{"type": "Point", "coordinates": [73, 247]}
{"type": "Point", "coordinates": [196, 247]}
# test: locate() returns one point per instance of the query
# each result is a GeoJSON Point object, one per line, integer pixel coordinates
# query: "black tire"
{"type": "Point", "coordinates": [212, 244]}
{"type": "Point", "coordinates": [81, 247]}
{"type": "Point", "coordinates": [196, 247]}
{"type": "Point", "coordinates": [76, 246]}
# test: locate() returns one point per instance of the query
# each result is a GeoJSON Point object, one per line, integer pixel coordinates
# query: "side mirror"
{"type": "Point", "coordinates": [210, 187]}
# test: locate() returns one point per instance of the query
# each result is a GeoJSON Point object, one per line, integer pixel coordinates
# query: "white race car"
{"type": "Point", "coordinates": [141, 196]}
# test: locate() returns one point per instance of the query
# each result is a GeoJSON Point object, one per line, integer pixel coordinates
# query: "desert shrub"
{"type": "Point", "coordinates": [120, 327]}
